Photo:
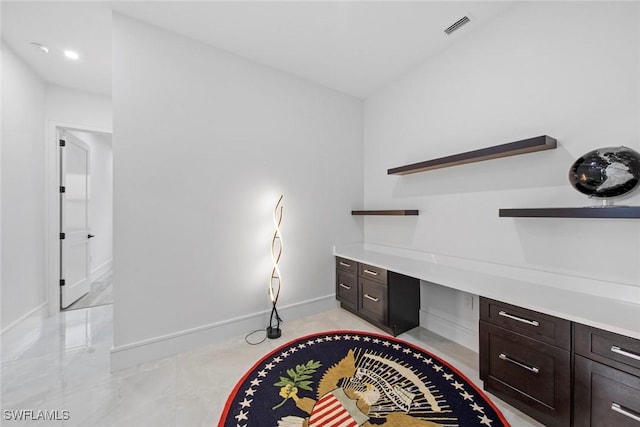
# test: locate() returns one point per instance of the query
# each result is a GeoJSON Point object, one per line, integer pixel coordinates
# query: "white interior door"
{"type": "Point", "coordinates": [75, 267]}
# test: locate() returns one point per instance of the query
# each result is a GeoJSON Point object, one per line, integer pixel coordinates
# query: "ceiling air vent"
{"type": "Point", "coordinates": [456, 25]}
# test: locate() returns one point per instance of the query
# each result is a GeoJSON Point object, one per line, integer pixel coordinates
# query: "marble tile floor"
{"type": "Point", "coordinates": [62, 363]}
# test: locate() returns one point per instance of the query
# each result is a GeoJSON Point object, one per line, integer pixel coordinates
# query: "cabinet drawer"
{"type": "Point", "coordinates": [373, 300]}
{"type": "Point", "coordinates": [347, 288]}
{"type": "Point", "coordinates": [530, 375]}
{"type": "Point", "coordinates": [609, 348]}
{"type": "Point", "coordinates": [346, 265]}
{"type": "Point", "coordinates": [548, 329]}
{"type": "Point", "coordinates": [373, 273]}
{"type": "Point", "coordinates": [605, 397]}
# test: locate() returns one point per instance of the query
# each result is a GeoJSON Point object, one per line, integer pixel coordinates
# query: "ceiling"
{"type": "Point", "coordinates": [354, 47]}
{"type": "Point", "coordinates": [81, 26]}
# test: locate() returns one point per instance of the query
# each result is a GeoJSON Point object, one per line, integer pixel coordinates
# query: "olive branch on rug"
{"type": "Point", "coordinates": [299, 378]}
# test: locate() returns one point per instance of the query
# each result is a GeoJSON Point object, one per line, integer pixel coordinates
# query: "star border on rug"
{"type": "Point", "coordinates": [261, 370]}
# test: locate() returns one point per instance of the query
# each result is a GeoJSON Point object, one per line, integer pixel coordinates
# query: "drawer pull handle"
{"type": "Point", "coordinates": [374, 299]}
{"type": "Point", "coordinates": [342, 285]}
{"type": "Point", "coordinates": [522, 365]}
{"type": "Point", "coordinates": [519, 319]}
{"type": "Point", "coordinates": [624, 411]}
{"type": "Point", "coordinates": [373, 273]}
{"type": "Point", "coordinates": [344, 264]}
{"type": "Point", "coordinates": [618, 350]}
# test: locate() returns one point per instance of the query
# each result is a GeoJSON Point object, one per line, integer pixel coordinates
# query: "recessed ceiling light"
{"type": "Point", "coordinates": [71, 54]}
{"type": "Point", "coordinates": [39, 47]}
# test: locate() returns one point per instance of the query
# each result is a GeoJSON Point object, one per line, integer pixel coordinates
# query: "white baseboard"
{"type": "Point", "coordinates": [459, 334]}
{"type": "Point", "coordinates": [23, 317]}
{"type": "Point", "coordinates": [133, 354]}
{"type": "Point", "coordinates": [101, 270]}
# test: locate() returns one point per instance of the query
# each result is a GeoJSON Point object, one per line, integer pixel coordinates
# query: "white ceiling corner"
{"type": "Point", "coordinates": [82, 26]}
{"type": "Point", "coordinates": [351, 46]}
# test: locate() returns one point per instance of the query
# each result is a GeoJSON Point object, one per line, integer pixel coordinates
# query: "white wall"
{"type": "Point", "coordinates": [205, 142]}
{"type": "Point", "coordinates": [568, 70]}
{"type": "Point", "coordinates": [101, 200]}
{"type": "Point", "coordinates": [23, 266]}
{"type": "Point", "coordinates": [78, 107]}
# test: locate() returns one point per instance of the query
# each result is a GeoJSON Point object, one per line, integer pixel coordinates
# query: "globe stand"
{"type": "Point", "coordinates": [603, 203]}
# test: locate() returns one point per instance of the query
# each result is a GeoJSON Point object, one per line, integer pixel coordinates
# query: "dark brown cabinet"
{"type": "Point", "coordinates": [525, 359]}
{"type": "Point", "coordinates": [346, 265]}
{"type": "Point", "coordinates": [347, 282]}
{"type": "Point", "coordinates": [370, 272]}
{"type": "Point", "coordinates": [389, 300]}
{"type": "Point", "coordinates": [559, 372]}
{"type": "Point", "coordinates": [372, 294]}
{"type": "Point", "coordinates": [606, 379]}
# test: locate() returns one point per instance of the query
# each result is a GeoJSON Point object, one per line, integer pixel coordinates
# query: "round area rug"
{"type": "Point", "coordinates": [349, 378]}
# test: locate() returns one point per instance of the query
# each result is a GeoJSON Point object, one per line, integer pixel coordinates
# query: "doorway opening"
{"type": "Point", "coordinates": [80, 218]}
{"type": "Point", "coordinates": [86, 219]}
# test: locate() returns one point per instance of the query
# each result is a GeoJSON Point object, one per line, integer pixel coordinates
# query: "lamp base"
{"type": "Point", "coordinates": [273, 333]}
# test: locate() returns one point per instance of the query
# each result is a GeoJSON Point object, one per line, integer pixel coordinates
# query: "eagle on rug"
{"type": "Point", "coordinates": [354, 390]}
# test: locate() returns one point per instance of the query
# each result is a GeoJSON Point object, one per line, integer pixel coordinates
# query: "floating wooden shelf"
{"type": "Point", "coordinates": [401, 212]}
{"type": "Point", "coordinates": [582, 212]}
{"type": "Point", "coordinates": [530, 145]}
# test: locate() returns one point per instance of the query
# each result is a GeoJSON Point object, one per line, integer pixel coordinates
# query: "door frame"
{"type": "Point", "coordinates": [52, 207]}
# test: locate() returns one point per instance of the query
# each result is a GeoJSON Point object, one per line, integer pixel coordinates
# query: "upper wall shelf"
{"type": "Point", "coordinates": [583, 212]}
{"type": "Point", "coordinates": [530, 145]}
{"type": "Point", "coordinates": [400, 212]}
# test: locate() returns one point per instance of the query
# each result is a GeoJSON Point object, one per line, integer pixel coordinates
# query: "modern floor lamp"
{"type": "Point", "coordinates": [275, 281]}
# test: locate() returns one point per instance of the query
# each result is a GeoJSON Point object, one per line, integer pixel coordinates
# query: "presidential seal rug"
{"type": "Point", "coordinates": [349, 378]}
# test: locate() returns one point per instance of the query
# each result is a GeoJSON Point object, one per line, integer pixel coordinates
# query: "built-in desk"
{"type": "Point", "coordinates": [608, 306]}
{"type": "Point", "coordinates": [534, 328]}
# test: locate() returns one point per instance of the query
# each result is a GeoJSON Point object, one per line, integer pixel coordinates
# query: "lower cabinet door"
{"type": "Point", "coordinates": [373, 301]}
{"type": "Point", "coordinates": [532, 376]}
{"type": "Point", "coordinates": [605, 397]}
{"type": "Point", "coordinates": [347, 289]}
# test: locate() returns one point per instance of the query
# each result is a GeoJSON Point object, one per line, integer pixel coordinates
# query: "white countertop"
{"type": "Point", "coordinates": [597, 308]}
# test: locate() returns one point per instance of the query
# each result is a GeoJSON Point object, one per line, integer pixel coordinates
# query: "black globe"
{"type": "Point", "coordinates": [606, 172]}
